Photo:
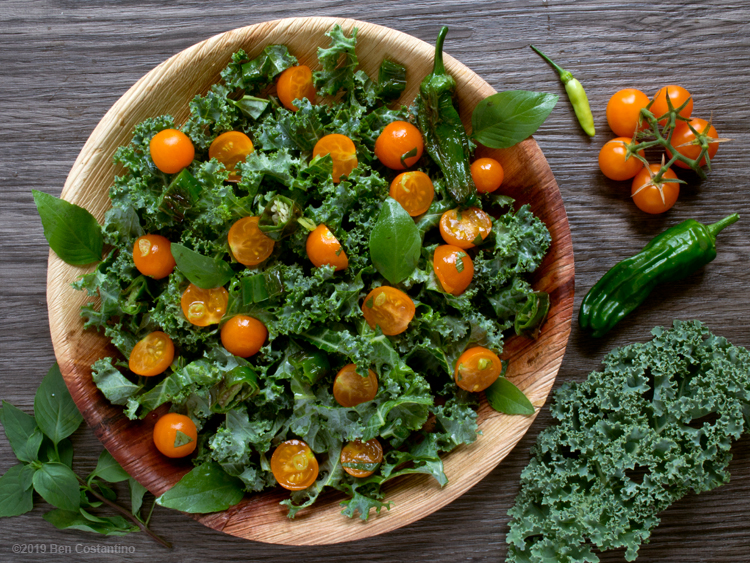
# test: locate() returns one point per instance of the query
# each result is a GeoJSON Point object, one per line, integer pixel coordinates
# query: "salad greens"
{"type": "Point", "coordinates": [245, 408]}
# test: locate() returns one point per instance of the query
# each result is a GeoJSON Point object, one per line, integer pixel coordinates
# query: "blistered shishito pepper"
{"type": "Point", "coordinates": [674, 254]}
{"type": "Point", "coordinates": [444, 135]}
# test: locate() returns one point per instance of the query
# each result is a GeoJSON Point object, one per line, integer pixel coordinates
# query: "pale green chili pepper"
{"type": "Point", "coordinates": [576, 95]}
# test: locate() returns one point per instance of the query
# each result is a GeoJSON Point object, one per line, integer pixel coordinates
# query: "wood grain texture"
{"type": "Point", "coordinates": [64, 64]}
{"type": "Point", "coordinates": [533, 364]}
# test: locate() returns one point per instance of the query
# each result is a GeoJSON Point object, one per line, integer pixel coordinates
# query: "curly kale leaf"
{"type": "Point", "coordinates": [656, 424]}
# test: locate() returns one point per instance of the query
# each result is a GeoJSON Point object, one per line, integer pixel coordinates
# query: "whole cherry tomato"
{"type": "Point", "coordinates": [414, 191]}
{"type": "Point", "coordinates": [465, 228]}
{"type": "Point", "coordinates": [249, 245]}
{"type": "Point", "coordinates": [203, 307]}
{"type": "Point", "coordinates": [295, 83]}
{"type": "Point", "coordinates": [152, 255]}
{"type": "Point", "coordinates": [453, 267]}
{"type": "Point", "coordinates": [342, 151]}
{"type": "Point", "coordinates": [397, 140]}
{"type": "Point", "coordinates": [487, 174]}
{"type": "Point", "coordinates": [477, 368]}
{"type": "Point", "coordinates": [389, 308]}
{"type": "Point", "coordinates": [175, 435]}
{"type": "Point", "coordinates": [324, 249]}
{"type": "Point", "coordinates": [243, 336]}
{"type": "Point", "coordinates": [171, 150]}
{"type": "Point", "coordinates": [230, 148]}
{"type": "Point", "coordinates": [654, 199]}
{"type": "Point", "coordinates": [623, 110]}
{"type": "Point", "coordinates": [152, 355]}
{"type": "Point", "coordinates": [351, 389]}
{"type": "Point", "coordinates": [612, 160]}
{"type": "Point", "coordinates": [359, 458]}
{"type": "Point", "coordinates": [682, 135]}
{"type": "Point", "coordinates": [677, 95]}
{"type": "Point", "coordinates": [294, 466]}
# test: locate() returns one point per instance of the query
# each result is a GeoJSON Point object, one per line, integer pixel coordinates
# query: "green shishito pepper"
{"type": "Point", "coordinates": [444, 135]}
{"type": "Point", "coordinates": [674, 254]}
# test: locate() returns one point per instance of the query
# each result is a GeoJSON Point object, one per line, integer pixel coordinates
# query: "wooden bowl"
{"type": "Point", "coordinates": [167, 89]}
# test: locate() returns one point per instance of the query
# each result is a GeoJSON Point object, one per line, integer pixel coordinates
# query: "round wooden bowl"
{"type": "Point", "coordinates": [167, 89]}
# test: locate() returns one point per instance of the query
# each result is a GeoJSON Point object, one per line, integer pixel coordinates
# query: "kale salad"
{"type": "Point", "coordinates": [320, 318]}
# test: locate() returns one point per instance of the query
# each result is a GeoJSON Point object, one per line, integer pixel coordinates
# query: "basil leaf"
{"type": "Point", "coordinates": [251, 106]}
{"type": "Point", "coordinates": [63, 454]}
{"type": "Point", "coordinates": [74, 520]}
{"type": "Point", "coordinates": [56, 413]}
{"type": "Point", "coordinates": [505, 397]}
{"type": "Point", "coordinates": [15, 499]}
{"type": "Point", "coordinates": [202, 271]}
{"type": "Point", "coordinates": [22, 432]}
{"type": "Point", "coordinates": [207, 488]}
{"type": "Point", "coordinates": [507, 118]}
{"type": "Point", "coordinates": [57, 484]}
{"type": "Point", "coordinates": [137, 492]}
{"type": "Point", "coordinates": [395, 243]}
{"type": "Point", "coordinates": [71, 231]}
{"type": "Point", "coordinates": [108, 469]}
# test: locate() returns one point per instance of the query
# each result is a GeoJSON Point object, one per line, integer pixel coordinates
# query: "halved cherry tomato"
{"type": "Point", "coordinates": [397, 140]}
{"type": "Point", "coordinates": [243, 336]}
{"type": "Point", "coordinates": [359, 454]}
{"type": "Point", "coordinates": [477, 368]}
{"type": "Point", "coordinates": [295, 83]}
{"type": "Point", "coordinates": [623, 110]}
{"type": "Point", "coordinates": [152, 355]}
{"type": "Point", "coordinates": [682, 135]}
{"type": "Point", "coordinates": [294, 466]}
{"type": "Point", "coordinates": [453, 267]}
{"type": "Point", "coordinates": [203, 307]}
{"type": "Point", "coordinates": [342, 151]}
{"type": "Point", "coordinates": [249, 245]}
{"type": "Point", "coordinates": [351, 389]}
{"type": "Point", "coordinates": [648, 198]}
{"type": "Point", "coordinates": [231, 148]}
{"type": "Point", "coordinates": [152, 255]}
{"type": "Point", "coordinates": [324, 248]}
{"type": "Point", "coordinates": [175, 435]}
{"type": "Point", "coordinates": [487, 174]}
{"type": "Point", "coordinates": [171, 150]}
{"type": "Point", "coordinates": [465, 228]}
{"type": "Point", "coordinates": [389, 308]}
{"type": "Point", "coordinates": [414, 191]}
{"type": "Point", "coordinates": [677, 95]}
{"type": "Point", "coordinates": [612, 160]}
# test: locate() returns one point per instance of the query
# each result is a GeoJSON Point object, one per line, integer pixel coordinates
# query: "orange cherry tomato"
{"type": "Point", "coordinates": [171, 150]}
{"type": "Point", "coordinates": [682, 135]}
{"type": "Point", "coordinates": [203, 307]}
{"type": "Point", "coordinates": [487, 174]}
{"type": "Point", "coordinates": [414, 191]}
{"type": "Point", "coordinates": [466, 228]}
{"type": "Point", "coordinates": [453, 267]}
{"type": "Point", "coordinates": [649, 198]}
{"type": "Point", "coordinates": [295, 83]}
{"type": "Point", "coordinates": [677, 95]}
{"type": "Point", "coordinates": [175, 435]}
{"type": "Point", "coordinates": [361, 453]}
{"type": "Point", "coordinates": [398, 139]}
{"type": "Point", "coordinates": [624, 109]}
{"type": "Point", "coordinates": [231, 148]}
{"type": "Point", "coordinates": [243, 336]}
{"type": "Point", "coordinates": [152, 255]}
{"type": "Point", "coordinates": [324, 249]}
{"type": "Point", "coordinates": [351, 389]}
{"type": "Point", "coordinates": [249, 245]}
{"type": "Point", "coordinates": [612, 160]}
{"type": "Point", "coordinates": [389, 308]}
{"type": "Point", "coordinates": [294, 466]}
{"type": "Point", "coordinates": [342, 151]}
{"type": "Point", "coordinates": [152, 355]}
{"type": "Point", "coordinates": [477, 368]}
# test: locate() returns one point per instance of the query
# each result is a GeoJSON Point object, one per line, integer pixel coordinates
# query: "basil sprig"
{"type": "Point", "coordinates": [202, 271]}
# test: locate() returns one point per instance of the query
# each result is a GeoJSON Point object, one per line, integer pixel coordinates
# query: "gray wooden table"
{"type": "Point", "coordinates": [64, 63]}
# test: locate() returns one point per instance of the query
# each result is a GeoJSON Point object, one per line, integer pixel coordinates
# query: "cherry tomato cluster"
{"type": "Point", "coordinates": [665, 121]}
